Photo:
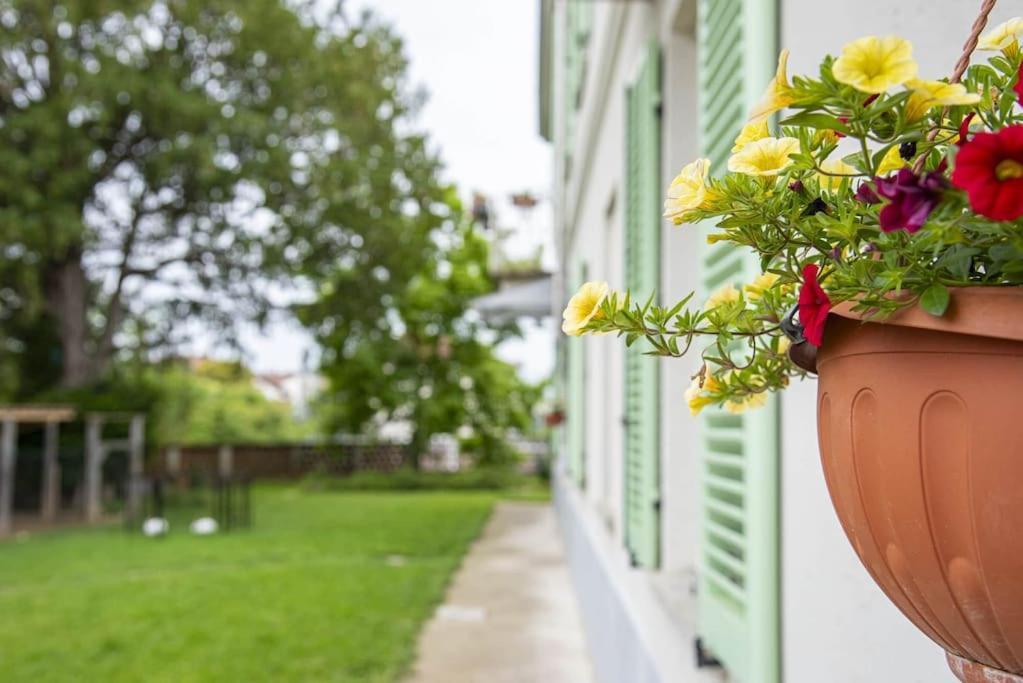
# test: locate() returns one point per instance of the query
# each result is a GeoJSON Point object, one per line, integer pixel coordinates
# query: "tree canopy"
{"type": "Point", "coordinates": [427, 359]}
{"type": "Point", "coordinates": [186, 160]}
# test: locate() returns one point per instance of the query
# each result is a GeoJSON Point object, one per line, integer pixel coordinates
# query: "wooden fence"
{"type": "Point", "coordinates": [277, 461]}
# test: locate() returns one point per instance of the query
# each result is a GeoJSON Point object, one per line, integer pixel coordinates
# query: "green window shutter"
{"type": "Point", "coordinates": [642, 277]}
{"type": "Point", "coordinates": [573, 62]}
{"type": "Point", "coordinates": [575, 414]}
{"type": "Point", "coordinates": [578, 26]}
{"type": "Point", "coordinates": [739, 588]}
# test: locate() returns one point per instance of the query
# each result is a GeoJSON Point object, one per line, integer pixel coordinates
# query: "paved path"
{"type": "Point", "coordinates": [510, 614]}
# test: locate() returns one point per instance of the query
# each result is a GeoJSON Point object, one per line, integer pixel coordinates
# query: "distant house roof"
{"type": "Point", "coordinates": [528, 298]}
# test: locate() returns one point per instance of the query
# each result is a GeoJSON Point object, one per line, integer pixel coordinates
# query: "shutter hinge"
{"type": "Point", "coordinates": [659, 109]}
{"type": "Point", "coordinates": [657, 504]}
{"type": "Point", "coordinates": [704, 659]}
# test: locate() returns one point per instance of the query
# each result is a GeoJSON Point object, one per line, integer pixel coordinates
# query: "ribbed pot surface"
{"type": "Point", "coordinates": [921, 438]}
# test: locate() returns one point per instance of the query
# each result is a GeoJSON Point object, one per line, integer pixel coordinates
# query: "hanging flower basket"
{"type": "Point", "coordinates": [886, 211]}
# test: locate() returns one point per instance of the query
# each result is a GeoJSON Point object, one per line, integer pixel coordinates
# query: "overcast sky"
{"type": "Point", "coordinates": [477, 61]}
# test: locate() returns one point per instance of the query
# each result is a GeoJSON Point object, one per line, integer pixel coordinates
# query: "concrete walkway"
{"type": "Point", "coordinates": [510, 614]}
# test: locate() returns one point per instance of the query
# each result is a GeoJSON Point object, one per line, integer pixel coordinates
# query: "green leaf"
{"type": "Point", "coordinates": [934, 300]}
{"type": "Point", "coordinates": [818, 121]}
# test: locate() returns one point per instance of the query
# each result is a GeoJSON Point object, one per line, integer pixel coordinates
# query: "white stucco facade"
{"type": "Point", "coordinates": [835, 625]}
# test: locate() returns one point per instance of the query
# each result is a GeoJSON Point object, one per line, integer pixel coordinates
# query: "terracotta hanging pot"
{"type": "Point", "coordinates": [920, 424]}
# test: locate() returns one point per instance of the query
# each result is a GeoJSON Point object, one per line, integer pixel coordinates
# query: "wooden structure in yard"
{"type": "Point", "coordinates": [10, 418]}
{"type": "Point", "coordinates": [96, 451]}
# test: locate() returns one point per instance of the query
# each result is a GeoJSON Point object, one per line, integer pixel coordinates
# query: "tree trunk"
{"type": "Point", "coordinates": [67, 301]}
{"type": "Point", "coordinates": [416, 447]}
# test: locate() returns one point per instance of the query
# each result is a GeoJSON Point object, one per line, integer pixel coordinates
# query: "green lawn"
{"type": "Point", "coordinates": [315, 591]}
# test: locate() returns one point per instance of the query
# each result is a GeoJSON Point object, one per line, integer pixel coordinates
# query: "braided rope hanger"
{"type": "Point", "coordinates": [961, 65]}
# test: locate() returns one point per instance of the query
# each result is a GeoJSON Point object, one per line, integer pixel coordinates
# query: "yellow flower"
{"type": "Point", "coordinates": [1002, 36]}
{"type": "Point", "coordinates": [825, 136]}
{"type": "Point", "coordinates": [741, 405]}
{"type": "Point", "coordinates": [929, 94]}
{"type": "Point", "coordinates": [751, 132]}
{"type": "Point", "coordinates": [766, 157]}
{"type": "Point", "coordinates": [891, 161]}
{"type": "Point", "coordinates": [873, 64]}
{"type": "Point", "coordinates": [725, 295]}
{"type": "Point", "coordinates": [760, 284]}
{"type": "Point", "coordinates": [783, 345]}
{"type": "Point", "coordinates": [688, 191]}
{"type": "Point", "coordinates": [778, 94]}
{"type": "Point", "coordinates": [839, 168]}
{"type": "Point", "coordinates": [697, 397]}
{"type": "Point", "coordinates": [583, 307]}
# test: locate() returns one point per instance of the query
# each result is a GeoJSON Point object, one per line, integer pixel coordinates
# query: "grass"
{"type": "Point", "coordinates": [324, 587]}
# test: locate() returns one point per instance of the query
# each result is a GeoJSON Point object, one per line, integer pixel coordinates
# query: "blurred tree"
{"type": "Point", "coordinates": [427, 358]}
{"type": "Point", "coordinates": [217, 402]}
{"type": "Point", "coordinates": [173, 160]}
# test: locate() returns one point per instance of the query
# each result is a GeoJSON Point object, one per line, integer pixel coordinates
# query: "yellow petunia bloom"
{"type": "Point", "coordinates": [778, 94]}
{"type": "Point", "coordinates": [891, 161]}
{"type": "Point", "coordinates": [873, 65]}
{"type": "Point", "coordinates": [840, 171]}
{"type": "Point", "coordinates": [760, 284]}
{"type": "Point", "coordinates": [697, 397]}
{"type": "Point", "coordinates": [724, 295]}
{"type": "Point", "coordinates": [583, 307]}
{"type": "Point", "coordinates": [1003, 36]}
{"type": "Point", "coordinates": [929, 94]}
{"type": "Point", "coordinates": [688, 191]}
{"type": "Point", "coordinates": [750, 402]}
{"type": "Point", "coordinates": [766, 157]}
{"type": "Point", "coordinates": [751, 132]}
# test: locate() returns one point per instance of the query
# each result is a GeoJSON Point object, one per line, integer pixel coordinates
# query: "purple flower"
{"type": "Point", "coordinates": [911, 199]}
{"type": "Point", "coordinates": [865, 193]}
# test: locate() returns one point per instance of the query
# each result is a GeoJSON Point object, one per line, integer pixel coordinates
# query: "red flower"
{"type": "Point", "coordinates": [964, 130]}
{"type": "Point", "coordinates": [814, 305]}
{"type": "Point", "coordinates": [990, 168]}
{"type": "Point", "coordinates": [842, 119]}
{"type": "Point", "coordinates": [912, 198]}
{"type": "Point", "coordinates": [1019, 85]}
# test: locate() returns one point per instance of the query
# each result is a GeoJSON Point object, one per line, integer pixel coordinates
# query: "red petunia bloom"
{"type": "Point", "coordinates": [911, 199]}
{"type": "Point", "coordinates": [964, 130]}
{"type": "Point", "coordinates": [990, 168]}
{"type": "Point", "coordinates": [814, 305]}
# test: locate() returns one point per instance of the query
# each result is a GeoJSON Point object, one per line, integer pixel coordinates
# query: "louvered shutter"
{"type": "Point", "coordinates": [642, 277]}
{"type": "Point", "coordinates": [738, 600]}
{"type": "Point", "coordinates": [575, 414]}
{"type": "Point", "coordinates": [578, 23]}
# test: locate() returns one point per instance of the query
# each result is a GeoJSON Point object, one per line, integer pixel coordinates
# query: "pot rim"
{"type": "Point", "coordinates": [983, 311]}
